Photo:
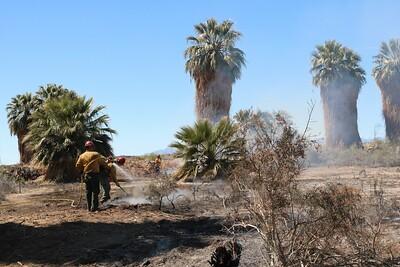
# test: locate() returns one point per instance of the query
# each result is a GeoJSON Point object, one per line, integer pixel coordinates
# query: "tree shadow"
{"type": "Point", "coordinates": [80, 242]}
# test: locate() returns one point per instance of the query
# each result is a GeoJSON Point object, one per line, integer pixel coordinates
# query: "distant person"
{"type": "Point", "coordinates": [89, 164]}
{"type": "Point", "coordinates": [157, 162]}
{"type": "Point", "coordinates": [110, 175]}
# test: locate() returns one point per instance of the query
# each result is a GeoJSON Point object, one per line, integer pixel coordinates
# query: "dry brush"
{"type": "Point", "coordinates": [331, 225]}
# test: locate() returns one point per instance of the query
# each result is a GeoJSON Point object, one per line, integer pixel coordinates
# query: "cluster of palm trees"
{"type": "Point", "coordinates": [214, 63]}
{"type": "Point", "coordinates": [337, 72]}
{"type": "Point", "coordinates": [52, 126]}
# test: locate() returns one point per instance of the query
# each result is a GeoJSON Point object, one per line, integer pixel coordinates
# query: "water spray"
{"type": "Point", "coordinates": [126, 174]}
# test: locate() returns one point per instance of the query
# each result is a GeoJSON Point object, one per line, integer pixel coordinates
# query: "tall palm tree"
{"type": "Point", "coordinates": [336, 71]}
{"type": "Point", "coordinates": [59, 130]}
{"type": "Point", "coordinates": [214, 63]}
{"type": "Point", "coordinates": [19, 112]}
{"type": "Point", "coordinates": [207, 149]}
{"type": "Point", "coordinates": [387, 75]}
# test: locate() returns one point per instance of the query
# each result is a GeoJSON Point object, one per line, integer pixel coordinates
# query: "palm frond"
{"type": "Point", "coordinates": [19, 112]}
{"type": "Point", "coordinates": [332, 60]}
{"type": "Point", "coordinates": [214, 47]}
{"type": "Point", "coordinates": [207, 149]}
{"type": "Point", "coordinates": [50, 91]}
{"type": "Point", "coordinates": [387, 62]}
{"type": "Point", "coordinates": [60, 128]}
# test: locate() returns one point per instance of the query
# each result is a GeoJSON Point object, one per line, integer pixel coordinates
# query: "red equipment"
{"type": "Point", "coordinates": [120, 160]}
{"type": "Point", "coordinates": [89, 144]}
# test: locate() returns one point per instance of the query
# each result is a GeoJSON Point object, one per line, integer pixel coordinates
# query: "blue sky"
{"type": "Point", "coordinates": [128, 55]}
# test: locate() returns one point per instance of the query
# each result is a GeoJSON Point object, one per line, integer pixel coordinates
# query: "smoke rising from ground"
{"type": "Point", "coordinates": [137, 191]}
{"type": "Point", "coordinates": [138, 196]}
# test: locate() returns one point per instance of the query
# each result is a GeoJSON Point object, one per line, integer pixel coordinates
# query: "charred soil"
{"type": "Point", "coordinates": [39, 227]}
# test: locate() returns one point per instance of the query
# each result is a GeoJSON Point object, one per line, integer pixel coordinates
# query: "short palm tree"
{"type": "Point", "coordinates": [208, 150]}
{"type": "Point", "coordinates": [214, 63]}
{"type": "Point", "coordinates": [59, 130]}
{"type": "Point", "coordinates": [336, 71]}
{"type": "Point", "coordinates": [19, 112]}
{"type": "Point", "coordinates": [387, 75]}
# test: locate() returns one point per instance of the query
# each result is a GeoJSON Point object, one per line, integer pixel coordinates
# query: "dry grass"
{"type": "Point", "coordinates": [374, 154]}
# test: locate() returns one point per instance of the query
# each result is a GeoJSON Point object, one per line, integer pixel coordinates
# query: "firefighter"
{"type": "Point", "coordinates": [157, 163]}
{"type": "Point", "coordinates": [110, 176]}
{"type": "Point", "coordinates": [89, 164]}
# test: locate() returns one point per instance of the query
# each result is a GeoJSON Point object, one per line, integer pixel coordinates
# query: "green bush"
{"type": "Point", "coordinates": [208, 150]}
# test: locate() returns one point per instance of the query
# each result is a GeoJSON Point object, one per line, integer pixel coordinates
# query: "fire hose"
{"type": "Point", "coordinates": [118, 160]}
{"type": "Point", "coordinates": [70, 200]}
{"type": "Point", "coordinates": [80, 196]}
{"type": "Point", "coordinates": [123, 190]}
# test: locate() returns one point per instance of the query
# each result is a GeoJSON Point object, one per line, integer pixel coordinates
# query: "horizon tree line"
{"type": "Point", "coordinates": [215, 63]}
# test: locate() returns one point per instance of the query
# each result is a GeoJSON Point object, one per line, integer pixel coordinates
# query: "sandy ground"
{"type": "Point", "coordinates": [365, 179]}
{"type": "Point", "coordinates": [40, 228]}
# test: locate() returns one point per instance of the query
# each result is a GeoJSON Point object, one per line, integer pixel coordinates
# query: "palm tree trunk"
{"type": "Point", "coordinates": [62, 171]}
{"type": "Point", "coordinates": [213, 97]}
{"type": "Point", "coordinates": [390, 91]}
{"type": "Point", "coordinates": [25, 155]}
{"type": "Point", "coordinates": [339, 100]}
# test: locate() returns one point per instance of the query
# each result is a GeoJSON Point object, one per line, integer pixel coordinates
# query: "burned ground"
{"type": "Point", "coordinates": [83, 242]}
{"type": "Point", "coordinates": [40, 228]}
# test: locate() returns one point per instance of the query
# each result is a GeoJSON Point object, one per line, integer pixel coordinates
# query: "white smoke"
{"type": "Point", "coordinates": [130, 200]}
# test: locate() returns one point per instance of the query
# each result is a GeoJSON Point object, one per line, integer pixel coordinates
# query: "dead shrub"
{"type": "Point", "coordinates": [332, 225]}
{"type": "Point", "coordinates": [162, 189]}
{"type": "Point", "coordinates": [14, 176]}
{"type": "Point", "coordinates": [6, 187]}
{"type": "Point", "coordinates": [226, 255]}
{"type": "Point", "coordinates": [20, 172]}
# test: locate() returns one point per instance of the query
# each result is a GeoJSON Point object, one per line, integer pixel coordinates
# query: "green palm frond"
{"type": "Point", "coordinates": [50, 91]}
{"type": "Point", "coordinates": [207, 149]}
{"type": "Point", "coordinates": [62, 125]}
{"type": "Point", "coordinates": [332, 60]}
{"type": "Point", "coordinates": [19, 112]}
{"type": "Point", "coordinates": [212, 48]}
{"type": "Point", "coordinates": [387, 62]}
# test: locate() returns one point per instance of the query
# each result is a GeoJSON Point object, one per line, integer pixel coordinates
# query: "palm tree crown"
{"type": "Point", "coordinates": [60, 128]}
{"type": "Point", "coordinates": [207, 149]}
{"type": "Point", "coordinates": [387, 62]}
{"type": "Point", "coordinates": [51, 91]}
{"type": "Point", "coordinates": [214, 47]}
{"type": "Point", "coordinates": [332, 60]}
{"type": "Point", "coordinates": [19, 112]}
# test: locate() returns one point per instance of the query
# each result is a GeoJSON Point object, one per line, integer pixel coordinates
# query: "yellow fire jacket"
{"type": "Point", "coordinates": [90, 162]}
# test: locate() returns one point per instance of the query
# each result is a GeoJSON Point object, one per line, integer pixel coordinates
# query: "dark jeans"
{"type": "Point", "coordinates": [92, 191]}
{"type": "Point", "coordinates": [105, 185]}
